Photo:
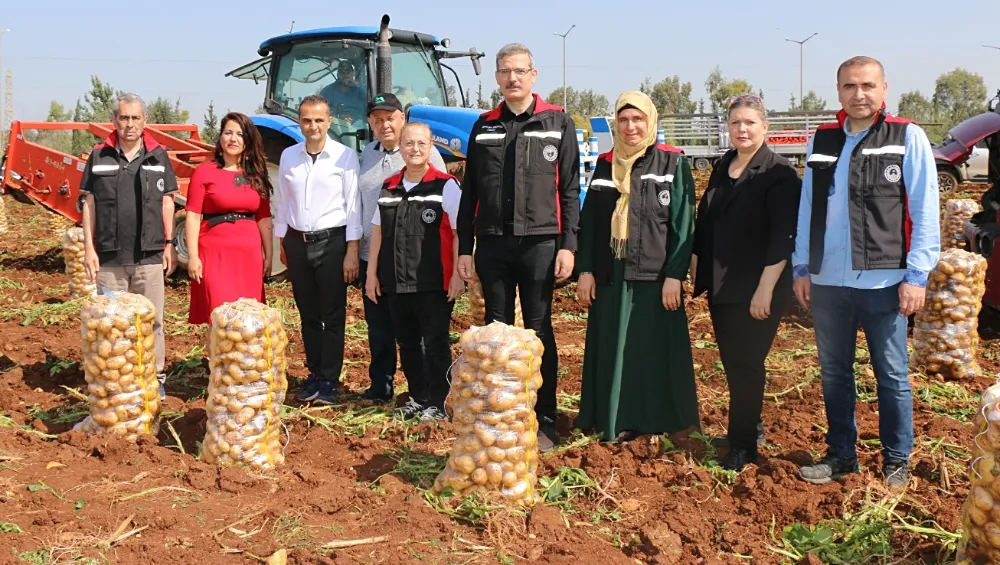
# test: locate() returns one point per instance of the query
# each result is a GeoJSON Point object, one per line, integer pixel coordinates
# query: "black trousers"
{"type": "Point", "coordinates": [316, 269]}
{"type": "Point", "coordinates": [506, 263]}
{"type": "Point", "coordinates": [744, 343]}
{"type": "Point", "coordinates": [423, 316]}
{"type": "Point", "coordinates": [381, 339]}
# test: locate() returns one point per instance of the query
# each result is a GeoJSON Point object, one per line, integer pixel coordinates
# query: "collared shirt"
{"type": "Point", "coordinates": [321, 195]}
{"type": "Point", "coordinates": [512, 123]}
{"type": "Point", "coordinates": [378, 164]}
{"type": "Point", "coordinates": [837, 269]}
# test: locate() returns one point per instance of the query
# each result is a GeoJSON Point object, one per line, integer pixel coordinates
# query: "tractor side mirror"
{"type": "Point", "coordinates": [476, 65]}
{"type": "Point", "coordinates": [271, 106]}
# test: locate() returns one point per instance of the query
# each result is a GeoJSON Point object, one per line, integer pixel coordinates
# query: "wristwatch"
{"type": "Point", "coordinates": [171, 241]}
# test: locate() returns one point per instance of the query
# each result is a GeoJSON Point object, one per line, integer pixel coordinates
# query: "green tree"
{"type": "Point", "coordinates": [590, 103]}
{"type": "Point", "coordinates": [958, 95]}
{"type": "Point", "coordinates": [210, 132]}
{"type": "Point", "coordinates": [100, 101]}
{"type": "Point", "coordinates": [916, 106]}
{"type": "Point", "coordinates": [720, 89]}
{"type": "Point", "coordinates": [570, 102]}
{"type": "Point", "coordinates": [481, 103]}
{"type": "Point", "coordinates": [811, 102]}
{"type": "Point", "coordinates": [670, 95]}
{"type": "Point", "coordinates": [496, 97]}
{"type": "Point", "coordinates": [451, 94]}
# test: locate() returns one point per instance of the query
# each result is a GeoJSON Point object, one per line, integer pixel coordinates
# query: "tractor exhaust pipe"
{"type": "Point", "coordinates": [383, 57]}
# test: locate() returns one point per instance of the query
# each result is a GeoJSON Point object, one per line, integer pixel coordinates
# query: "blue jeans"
{"type": "Point", "coordinates": [837, 311]}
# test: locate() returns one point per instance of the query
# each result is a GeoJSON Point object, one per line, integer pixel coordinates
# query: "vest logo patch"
{"type": "Point", "coordinates": [159, 185]}
{"type": "Point", "coordinates": [428, 216]}
{"type": "Point", "coordinates": [663, 197]}
{"type": "Point", "coordinates": [892, 173]}
{"type": "Point", "coordinates": [550, 153]}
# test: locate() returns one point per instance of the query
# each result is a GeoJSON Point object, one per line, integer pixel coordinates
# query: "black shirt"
{"type": "Point", "coordinates": [512, 124]}
{"type": "Point", "coordinates": [130, 217]}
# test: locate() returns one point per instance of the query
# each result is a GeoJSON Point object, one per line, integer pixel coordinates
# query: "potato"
{"type": "Point", "coordinates": [247, 384]}
{"type": "Point", "coordinates": [956, 213]}
{"type": "Point", "coordinates": [73, 256]}
{"type": "Point", "coordinates": [494, 387]}
{"type": "Point", "coordinates": [945, 335]}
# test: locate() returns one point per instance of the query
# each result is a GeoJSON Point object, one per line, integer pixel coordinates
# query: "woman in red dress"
{"type": "Point", "coordinates": [229, 221]}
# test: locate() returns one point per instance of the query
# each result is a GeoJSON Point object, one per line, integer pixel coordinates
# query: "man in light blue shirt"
{"type": "Point", "coordinates": [862, 256]}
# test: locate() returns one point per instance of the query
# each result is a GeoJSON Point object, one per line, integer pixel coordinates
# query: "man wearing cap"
{"type": "Point", "coordinates": [380, 160]}
{"type": "Point", "coordinates": [345, 96]}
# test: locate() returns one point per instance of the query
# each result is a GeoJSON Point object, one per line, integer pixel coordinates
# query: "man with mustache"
{"type": "Point", "coordinates": [866, 242]}
{"type": "Point", "coordinates": [128, 190]}
{"type": "Point", "coordinates": [380, 160]}
{"type": "Point", "coordinates": [520, 208]}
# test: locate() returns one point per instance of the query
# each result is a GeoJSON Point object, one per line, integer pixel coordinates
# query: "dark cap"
{"type": "Point", "coordinates": [385, 101]}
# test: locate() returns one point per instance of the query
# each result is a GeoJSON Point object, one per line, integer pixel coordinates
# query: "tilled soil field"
{"type": "Point", "coordinates": [355, 486]}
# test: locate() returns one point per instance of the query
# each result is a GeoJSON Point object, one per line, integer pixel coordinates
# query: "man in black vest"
{"type": "Point", "coordinates": [867, 239]}
{"type": "Point", "coordinates": [521, 192]}
{"type": "Point", "coordinates": [128, 188]}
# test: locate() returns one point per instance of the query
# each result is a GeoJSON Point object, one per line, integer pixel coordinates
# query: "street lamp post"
{"type": "Point", "coordinates": [563, 36]}
{"type": "Point", "coordinates": [801, 43]}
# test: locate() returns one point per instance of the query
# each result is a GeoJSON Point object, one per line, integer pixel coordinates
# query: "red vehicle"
{"type": "Point", "coordinates": [983, 229]}
{"type": "Point", "coordinates": [34, 173]}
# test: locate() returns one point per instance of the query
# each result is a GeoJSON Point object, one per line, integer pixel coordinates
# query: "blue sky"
{"type": "Point", "coordinates": [182, 48]}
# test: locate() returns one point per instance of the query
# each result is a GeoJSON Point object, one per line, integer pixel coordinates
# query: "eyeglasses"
{"type": "Point", "coordinates": [409, 144]}
{"type": "Point", "coordinates": [745, 99]}
{"type": "Point", "coordinates": [515, 72]}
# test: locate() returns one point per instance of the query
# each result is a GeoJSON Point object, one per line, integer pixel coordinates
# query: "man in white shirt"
{"type": "Point", "coordinates": [318, 221]}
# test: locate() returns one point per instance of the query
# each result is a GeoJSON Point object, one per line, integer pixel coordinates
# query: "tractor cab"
{"type": "Point", "coordinates": [348, 66]}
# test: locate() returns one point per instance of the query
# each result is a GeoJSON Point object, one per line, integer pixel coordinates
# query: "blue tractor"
{"type": "Point", "coordinates": [348, 66]}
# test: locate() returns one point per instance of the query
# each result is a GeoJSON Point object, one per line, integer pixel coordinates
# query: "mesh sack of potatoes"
{"type": "Point", "coordinates": [956, 213]}
{"type": "Point", "coordinates": [494, 388]}
{"type": "Point", "coordinates": [3, 215]}
{"type": "Point", "coordinates": [58, 224]}
{"type": "Point", "coordinates": [980, 542]}
{"type": "Point", "coordinates": [119, 365]}
{"type": "Point", "coordinates": [247, 385]}
{"type": "Point", "coordinates": [945, 336]}
{"type": "Point", "coordinates": [477, 304]}
{"type": "Point", "coordinates": [73, 255]}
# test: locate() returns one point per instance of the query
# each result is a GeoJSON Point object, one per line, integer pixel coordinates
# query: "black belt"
{"type": "Point", "coordinates": [318, 235]}
{"type": "Point", "coordinates": [231, 217]}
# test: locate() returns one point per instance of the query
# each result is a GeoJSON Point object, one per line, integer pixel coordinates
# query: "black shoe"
{"type": "Point", "coordinates": [378, 395]}
{"type": "Point", "coordinates": [327, 393]}
{"type": "Point", "coordinates": [828, 469]}
{"type": "Point", "coordinates": [412, 409]}
{"type": "Point", "coordinates": [723, 441]}
{"type": "Point", "coordinates": [310, 389]}
{"type": "Point", "coordinates": [737, 458]}
{"type": "Point", "coordinates": [897, 476]}
{"type": "Point", "coordinates": [548, 433]}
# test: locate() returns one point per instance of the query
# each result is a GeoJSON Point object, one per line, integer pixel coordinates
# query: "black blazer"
{"type": "Point", "coordinates": [751, 227]}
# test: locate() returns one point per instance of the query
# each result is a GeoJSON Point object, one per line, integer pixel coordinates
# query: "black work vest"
{"type": "Point", "coordinates": [417, 238]}
{"type": "Point", "coordinates": [649, 214]}
{"type": "Point", "coordinates": [877, 202]}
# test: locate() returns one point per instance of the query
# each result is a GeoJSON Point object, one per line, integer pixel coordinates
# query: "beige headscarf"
{"type": "Point", "coordinates": [624, 156]}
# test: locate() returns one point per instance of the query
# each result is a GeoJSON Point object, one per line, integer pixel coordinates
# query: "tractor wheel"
{"type": "Point", "coordinates": [947, 181]}
{"type": "Point", "coordinates": [180, 220]}
{"type": "Point", "coordinates": [701, 164]}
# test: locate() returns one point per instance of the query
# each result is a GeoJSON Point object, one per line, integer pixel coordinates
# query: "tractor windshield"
{"type": "Point", "coordinates": [340, 73]}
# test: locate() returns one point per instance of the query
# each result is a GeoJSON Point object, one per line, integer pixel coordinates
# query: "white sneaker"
{"type": "Point", "coordinates": [433, 413]}
{"type": "Point", "coordinates": [412, 409]}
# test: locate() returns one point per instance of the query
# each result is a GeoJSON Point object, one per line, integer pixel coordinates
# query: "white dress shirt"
{"type": "Point", "coordinates": [321, 195]}
{"type": "Point", "coordinates": [449, 201]}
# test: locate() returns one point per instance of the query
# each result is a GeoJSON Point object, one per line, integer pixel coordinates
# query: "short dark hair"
{"type": "Point", "coordinates": [314, 99]}
{"type": "Point", "coordinates": [860, 61]}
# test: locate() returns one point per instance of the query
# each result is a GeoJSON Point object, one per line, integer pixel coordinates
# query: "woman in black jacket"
{"type": "Point", "coordinates": [744, 238]}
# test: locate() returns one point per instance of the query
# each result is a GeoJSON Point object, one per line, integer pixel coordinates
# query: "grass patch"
{"type": "Point", "coordinates": [10, 528]}
{"type": "Point", "coordinates": [419, 467]}
{"type": "Point", "coordinates": [65, 414]}
{"type": "Point", "coordinates": [354, 421]}
{"type": "Point", "coordinates": [948, 399]}
{"type": "Point", "coordinates": [6, 422]}
{"type": "Point", "coordinates": [45, 313]}
{"type": "Point", "coordinates": [10, 284]}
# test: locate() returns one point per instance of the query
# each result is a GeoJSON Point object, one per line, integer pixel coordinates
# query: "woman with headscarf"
{"type": "Point", "coordinates": [636, 235]}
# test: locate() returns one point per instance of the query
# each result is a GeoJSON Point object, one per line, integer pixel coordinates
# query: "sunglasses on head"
{"type": "Point", "coordinates": [745, 99]}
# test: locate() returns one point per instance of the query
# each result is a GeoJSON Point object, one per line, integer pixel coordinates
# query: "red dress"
{"type": "Point", "coordinates": [231, 254]}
